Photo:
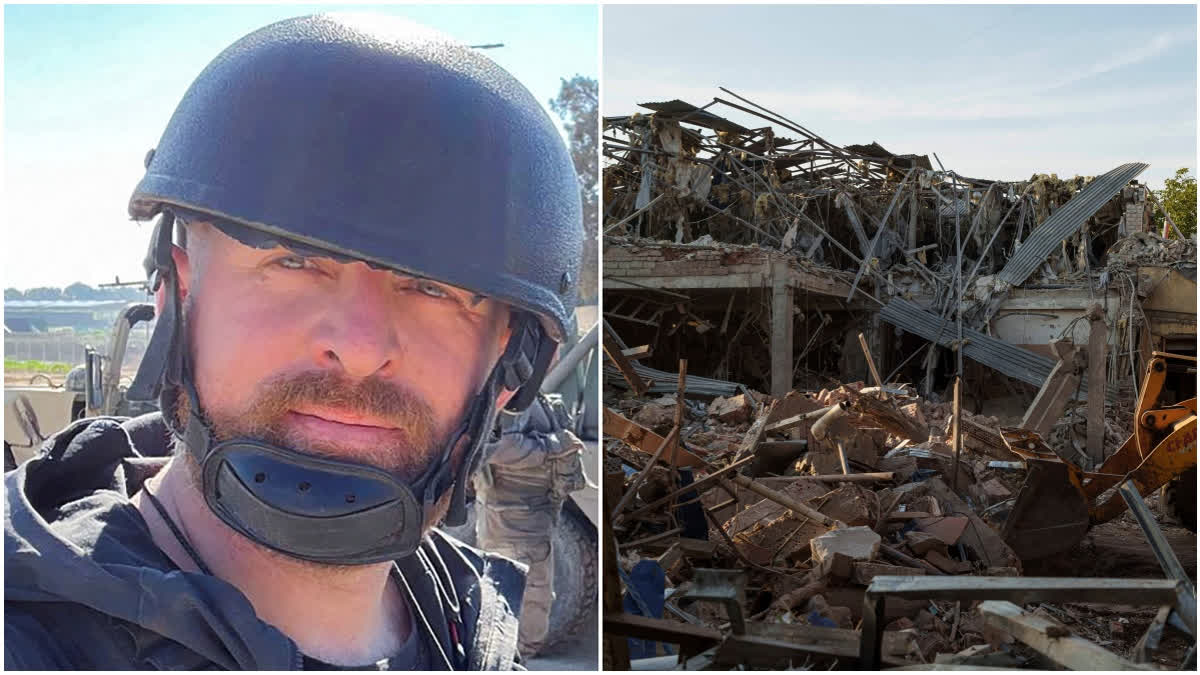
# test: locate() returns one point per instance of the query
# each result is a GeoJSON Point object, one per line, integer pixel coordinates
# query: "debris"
{"type": "Point", "coordinates": [864, 572]}
{"type": "Point", "coordinates": [921, 543]}
{"type": "Point", "coordinates": [947, 529]}
{"type": "Point", "coordinates": [829, 277]}
{"type": "Point", "coordinates": [731, 410]}
{"type": "Point", "coordinates": [856, 543]}
{"type": "Point", "coordinates": [1053, 640]}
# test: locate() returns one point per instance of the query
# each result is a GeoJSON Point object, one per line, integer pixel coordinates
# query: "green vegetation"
{"type": "Point", "coordinates": [1178, 197]}
{"type": "Point", "coordinates": [577, 104]}
{"type": "Point", "coordinates": [34, 366]}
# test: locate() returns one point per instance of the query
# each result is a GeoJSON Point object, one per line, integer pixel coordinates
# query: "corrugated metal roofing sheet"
{"type": "Point", "coordinates": [994, 353]}
{"type": "Point", "coordinates": [1065, 221]}
{"type": "Point", "coordinates": [701, 118]}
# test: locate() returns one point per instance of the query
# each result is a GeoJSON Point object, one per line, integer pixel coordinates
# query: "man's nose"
{"type": "Point", "coordinates": [358, 334]}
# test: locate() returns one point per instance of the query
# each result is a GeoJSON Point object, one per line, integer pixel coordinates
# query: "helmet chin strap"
{"type": "Point", "coordinates": [315, 508]}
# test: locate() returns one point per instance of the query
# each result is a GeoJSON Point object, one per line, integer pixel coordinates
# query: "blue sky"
{"type": "Point", "coordinates": [88, 90]}
{"type": "Point", "coordinates": [999, 91]}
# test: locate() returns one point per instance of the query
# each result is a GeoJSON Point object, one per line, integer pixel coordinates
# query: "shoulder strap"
{"type": "Point", "coordinates": [500, 583]}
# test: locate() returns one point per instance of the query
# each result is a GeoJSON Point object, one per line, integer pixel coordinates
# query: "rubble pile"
{"type": "Point", "coordinates": [895, 511]}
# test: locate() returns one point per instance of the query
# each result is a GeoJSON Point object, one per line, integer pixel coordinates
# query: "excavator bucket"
{"type": "Point", "coordinates": [1050, 514]}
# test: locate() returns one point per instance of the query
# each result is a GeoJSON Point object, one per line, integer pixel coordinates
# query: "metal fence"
{"type": "Point", "coordinates": [69, 347]}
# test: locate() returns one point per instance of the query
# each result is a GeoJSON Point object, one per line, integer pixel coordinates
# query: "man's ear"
{"type": "Point", "coordinates": [183, 272]}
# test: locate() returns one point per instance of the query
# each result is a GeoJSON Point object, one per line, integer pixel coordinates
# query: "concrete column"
{"type": "Point", "coordinates": [781, 330]}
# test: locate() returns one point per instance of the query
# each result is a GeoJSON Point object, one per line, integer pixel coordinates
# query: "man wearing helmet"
{"type": "Point", "coordinates": [367, 245]}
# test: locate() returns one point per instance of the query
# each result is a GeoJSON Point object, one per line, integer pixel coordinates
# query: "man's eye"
{"type": "Point", "coordinates": [293, 262]}
{"type": "Point", "coordinates": [432, 289]}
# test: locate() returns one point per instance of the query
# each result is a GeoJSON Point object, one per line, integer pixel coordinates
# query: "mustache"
{"type": "Point", "coordinates": [395, 405]}
{"type": "Point", "coordinates": [371, 397]}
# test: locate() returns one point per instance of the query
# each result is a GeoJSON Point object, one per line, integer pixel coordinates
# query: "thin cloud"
{"type": "Point", "coordinates": [1152, 48]}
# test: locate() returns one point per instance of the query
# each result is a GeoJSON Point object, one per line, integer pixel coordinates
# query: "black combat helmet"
{"type": "Point", "coordinates": [362, 137]}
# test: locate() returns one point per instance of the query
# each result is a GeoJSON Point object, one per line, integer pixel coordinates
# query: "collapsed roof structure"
{"type": "Point", "coordinates": [721, 240]}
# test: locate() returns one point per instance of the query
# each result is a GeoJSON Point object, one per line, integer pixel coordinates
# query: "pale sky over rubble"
{"type": "Point", "coordinates": [997, 91]}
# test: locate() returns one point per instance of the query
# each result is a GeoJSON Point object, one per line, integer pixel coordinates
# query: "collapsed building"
{"type": "Point", "coordinates": [754, 281]}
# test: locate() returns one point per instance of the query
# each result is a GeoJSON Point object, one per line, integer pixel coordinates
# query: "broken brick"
{"type": "Point", "coordinates": [857, 543]}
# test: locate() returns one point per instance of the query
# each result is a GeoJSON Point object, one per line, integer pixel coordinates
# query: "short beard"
{"type": "Point", "coordinates": [264, 420]}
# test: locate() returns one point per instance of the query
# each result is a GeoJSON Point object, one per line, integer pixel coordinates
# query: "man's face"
{"type": "Point", "coordinates": [332, 359]}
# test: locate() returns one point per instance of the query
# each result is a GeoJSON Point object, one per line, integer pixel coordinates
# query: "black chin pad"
{"type": "Point", "coordinates": [306, 491]}
{"type": "Point", "coordinates": [311, 508]}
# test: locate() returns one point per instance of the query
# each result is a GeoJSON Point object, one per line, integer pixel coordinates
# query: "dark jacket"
{"type": "Point", "coordinates": [86, 588]}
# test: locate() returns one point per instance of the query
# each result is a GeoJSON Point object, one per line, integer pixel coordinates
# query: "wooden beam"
{"type": "Point", "coordinates": [862, 341]}
{"type": "Point", "coordinates": [690, 548]}
{"type": "Point", "coordinates": [613, 348]}
{"type": "Point", "coordinates": [638, 436]}
{"type": "Point", "coordinates": [640, 477]}
{"type": "Point", "coordinates": [635, 353]}
{"type": "Point", "coordinates": [781, 446]}
{"type": "Point", "coordinates": [1097, 376]}
{"type": "Point", "coordinates": [779, 498]}
{"type": "Point", "coordinates": [785, 424]}
{"type": "Point", "coordinates": [618, 647]}
{"type": "Point", "coordinates": [1052, 639]}
{"type": "Point", "coordinates": [650, 539]}
{"type": "Point", "coordinates": [699, 486]}
{"type": "Point", "coordinates": [755, 434]}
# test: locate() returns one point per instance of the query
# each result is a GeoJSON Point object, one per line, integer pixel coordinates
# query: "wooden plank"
{"type": "Point", "coordinates": [785, 500]}
{"type": "Point", "coordinates": [1026, 590]}
{"type": "Point", "coordinates": [640, 477]}
{"type": "Point", "coordinates": [691, 548]}
{"type": "Point", "coordinates": [873, 477]}
{"type": "Point", "coordinates": [785, 424]}
{"type": "Point", "coordinates": [638, 436]}
{"type": "Point", "coordinates": [956, 433]}
{"type": "Point", "coordinates": [613, 348]}
{"type": "Point", "coordinates": [680, 412]}
{"type": "Point", "coordinates": [862, 341]}
{"type": "Point", "coordinates": [618, 647]}
{"type": "Point", "coordinates": [1052, 639]}
{"type": "Point", "coordinates": [781, 446]}
{"type": "Point", "coordinates": [1097, 376]}
{"type": "Point", "coordinates": [700, 486]}
{"type": "Point", "coordinates": [635, 353]}
{"type": "Point", "coordinates": [652, 538]}
{"type": "Point", "coordinates": [755, 434]}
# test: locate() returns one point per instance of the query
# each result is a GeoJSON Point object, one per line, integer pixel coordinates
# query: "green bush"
{"type": "Point", "coordinates": [35, 366]}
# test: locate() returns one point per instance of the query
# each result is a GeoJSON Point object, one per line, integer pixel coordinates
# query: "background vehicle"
{"type": "Point", "coordinates": [36, 411]}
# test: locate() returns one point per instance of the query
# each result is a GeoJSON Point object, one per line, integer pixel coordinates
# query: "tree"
{"type": "Point", "coordinates": [44, 293]}
{"type": "Point", "coordinates": [577, 104]}
{"type": "Point", "coordinates": [80, 291]}
{"type": "Point", "coordinates": [13, 294]}
{"type": "Point", "coordinates": [1178, 197]}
